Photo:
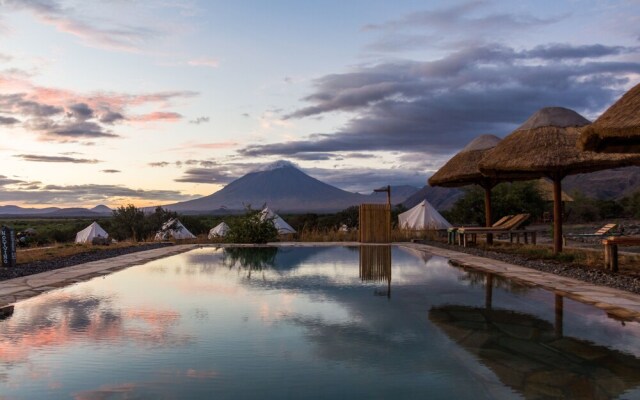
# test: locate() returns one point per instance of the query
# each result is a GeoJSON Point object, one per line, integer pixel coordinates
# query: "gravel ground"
{"type": "Point", "coordinates": [48, 265]}
{"type": "Point", "coordinates": [595, 276]}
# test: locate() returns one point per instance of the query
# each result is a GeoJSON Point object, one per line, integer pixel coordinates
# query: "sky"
{"type": "Point", "coordinates": [153, 102]}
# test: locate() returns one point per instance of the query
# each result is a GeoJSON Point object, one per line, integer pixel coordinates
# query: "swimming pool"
{"type": "Point", "coordinates": [318, 322]}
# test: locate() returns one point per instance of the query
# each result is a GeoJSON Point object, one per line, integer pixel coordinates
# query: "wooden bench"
{"type": "Point", "coordinates": [468, 237]}
{"type": "Point", "coordinates": [611, 249]}
{"type": "Point", "coordinates": [597, 234]}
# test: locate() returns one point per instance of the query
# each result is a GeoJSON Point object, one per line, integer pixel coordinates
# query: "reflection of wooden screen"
{"type": "Point", "coordinates": [375, 223]}
{"type": "Point", "coordinates": [375, 263]}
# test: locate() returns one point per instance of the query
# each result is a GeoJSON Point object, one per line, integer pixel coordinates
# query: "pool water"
{"type": "Point", "coordinates": [313, 322]}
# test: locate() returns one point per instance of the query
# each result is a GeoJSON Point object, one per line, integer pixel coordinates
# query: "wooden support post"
{"type": "Point", "coordinates": [614, 257]}
{"type": "Point", "coordinates": [487, 213]}
{"type": "Point", "coordinates": [607, 261]}
{"type": "Point", "coordinates": [559, 315]}
{"type": "Point", "coordinates": [557, 214]}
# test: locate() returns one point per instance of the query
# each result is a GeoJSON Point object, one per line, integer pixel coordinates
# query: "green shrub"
{"type": "Point", "coordinates": [251, 228]}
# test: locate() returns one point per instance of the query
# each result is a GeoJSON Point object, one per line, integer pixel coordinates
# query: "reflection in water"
{"type": "Point", "coordinates": [531, 356]}
{"type": "Point", "coordinates": [375, 265]}
{"type": "Point", "coordinates": [310, 328]}
{"type": "Point", "coordinates": [250, 258]}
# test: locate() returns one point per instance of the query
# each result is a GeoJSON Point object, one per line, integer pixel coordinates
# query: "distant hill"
{"type": "Point", "coordinates": [16, 210]}
{"type": "Point", "coordinates": [398, 194]}
{"type": "Point", "coordinates": [607, 184]}
{"type": "Point", "coordinates": [53, 212]}
{"type": "Point", "coordinates": [282, 187]}
{"type": "Point", "coordinates": [101, 209]}
{"type": "Point", "coordinates": [439, 197]}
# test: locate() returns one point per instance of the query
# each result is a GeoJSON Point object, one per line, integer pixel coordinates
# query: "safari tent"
{"type": "Point", "coordinates": [422, 217]}
{"type": "Point", "coordinates": [91, 232]}
{"type": "Point", "coordinates": [173, 229]}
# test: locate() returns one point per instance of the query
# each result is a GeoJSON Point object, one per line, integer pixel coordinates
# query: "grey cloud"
{"type": "Point", "coordinates": [111, 171]}
{"type": "Point", "coordinates": [364, 180]}
{"type": "Point", "coordinates": [69, 129]}
{"type": "Point", "coordinates": [160, 164]}
{"type": "Point", "coordinates": [8, 120]}
{"type": "Point", "coordinates": [436, 106]}
{"type": "Point", "coordinates": [51, 194]}
{"type": "Point", "coordinates": [560, 51]}
{"type": "Point", "coordinates": [4, 181]}
{"type": "Point", "coordinates": [109, 117]}
{"type": "Point", "coordinates": [17, 103]}
{"type": "Point", "coordinates": [467, 17]}
{"type": "Point", "coordinates": [80, 111]}
{"type": "Point", "coordinates": [55, 159]}
{"type": "Point", "coordinates": [199, 120]}
{"type": "Point", "coordinates": [5, 57]}
{"type": "Point", "coordinates": [206, 175]}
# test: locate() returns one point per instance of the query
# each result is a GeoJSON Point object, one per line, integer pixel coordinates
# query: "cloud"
{"type": "Point", "coordinates": [218, 175]}
{"type": "Point", "coordinates": [55, 159]}
{"type": "Point", "coordinates": [8, 120]}
{"type": "Point", "coordinates": [93, 32]}
{"type": "Point", "coordinates": [435, 106]}
{"type": "Point", "coordinates": [158, 116]}
{"type": "Point", "coordinates": [5, 58]}
{"type": "Point", "coordinates": [85, 194]}
{"type": "Point", "coordinates": [63, 115]}
{"type": "Point", "coordinates": [111, 171]}
{"type": "Point", "coordinates": [199, 120]}
{"type": "Point", "coordinates": [160, 164]}
{"type": "Point", "coordinates": [204, 62]}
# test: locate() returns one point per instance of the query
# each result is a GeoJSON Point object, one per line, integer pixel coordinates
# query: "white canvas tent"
{"type": "Point", "coordinates": [422, 217]}
{"type": "Point", "coordinates": [282, 227]}
{"type": "Point", "coordinates": [219, 230]}
{"type": "Point", "coordinates": [174, 229]}
{"type": "Point", "coordinates": [90, 232]}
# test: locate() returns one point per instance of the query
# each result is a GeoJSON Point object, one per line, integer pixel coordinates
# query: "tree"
{"type": "Point", "coordinates": [128, 222]}
{"type": "Point", "coordinates": [507, 199]}
{"type": "Point", "coordinates": [251, 228]}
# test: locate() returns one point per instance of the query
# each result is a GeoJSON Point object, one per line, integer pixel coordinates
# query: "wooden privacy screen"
{"type": "Point", "coordinates": [375, 223]}
{"type": "Point", "coordinates": [375, 263]}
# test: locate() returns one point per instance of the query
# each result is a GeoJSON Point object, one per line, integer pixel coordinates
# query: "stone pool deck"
{"type": "Point", "coordinates": [618, 303]}
{"type": "Point", "coordinates": [13, 290]}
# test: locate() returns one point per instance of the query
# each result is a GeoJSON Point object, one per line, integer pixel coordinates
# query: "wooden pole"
{"type": "Point", "coordinates": [487, 212]}
{"type": "Point", "coordinates": [557, 214]}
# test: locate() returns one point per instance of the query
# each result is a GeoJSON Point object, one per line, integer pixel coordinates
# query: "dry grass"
{"type": "Point", "coordinates": [64, 250]}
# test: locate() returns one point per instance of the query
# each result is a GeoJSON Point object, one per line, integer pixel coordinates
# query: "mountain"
{"type": "Point", "coordinates": [101, 209]}
{"type": "Point", "coordinates": [281, 186]}
{"type": "Point", "coordinates": [16, 210]}
{"type": "Point", "coordinates": [607, 184]}
{"type": "Point", "coordinates": [441, 198]}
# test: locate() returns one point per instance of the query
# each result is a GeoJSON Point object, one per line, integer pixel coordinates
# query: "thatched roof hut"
{"type": "Point", "coordinates": [618, 129]}
{"type": "Point", "coordinates": [462, 169]}
{"type": "Point", "coordinates": [546, 146]}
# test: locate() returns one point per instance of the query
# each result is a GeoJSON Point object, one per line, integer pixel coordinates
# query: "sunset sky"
{"type": "Point", "coordinates": [152, 102]}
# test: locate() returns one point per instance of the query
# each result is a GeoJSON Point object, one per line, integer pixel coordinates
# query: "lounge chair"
{"type": "Point", "coordinates": [600, 233]}
{"type": "Point", "coordinates": [451, 232]}
{"type": "Point", "coordinates": [509, 226]}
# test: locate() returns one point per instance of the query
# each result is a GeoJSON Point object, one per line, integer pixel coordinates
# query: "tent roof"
{"type": "Point", "coordinates": [549, 150]}
{"type": "Point", "coordinates": [279, 223]}
{"type": "Point", "coordinates": [423, 216]}
{"type": "Point", "coordinates": [462, 169]}
{"type": "Point", "coordinates": [618, 129]}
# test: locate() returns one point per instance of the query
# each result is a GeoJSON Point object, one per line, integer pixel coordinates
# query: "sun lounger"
{"type": "Point", "coordinates": [468, 235]}
{"type": "Point", "coordinates": [600, 233]}
{"type": "Point", "coordinates": [451, 232]}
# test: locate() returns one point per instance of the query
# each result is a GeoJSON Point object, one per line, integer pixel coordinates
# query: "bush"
{"type": "Point", "coordinates": [506, 199]}
{"type": "Point", "coordinates": [251, 228]}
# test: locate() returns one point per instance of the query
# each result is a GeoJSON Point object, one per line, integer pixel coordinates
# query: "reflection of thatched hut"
{"type": "Point", "coordinates": [527, 354]}
{"type": "Point", "coordinates": [618, 129]}
{"type": "Point", "coordinates": [462, 170]}
{"type": "Point", "coordinates": [546, 146]}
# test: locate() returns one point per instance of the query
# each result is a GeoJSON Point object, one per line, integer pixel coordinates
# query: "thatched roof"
{"type": "Point", "coordinates": [545, 188]}
{"type": "Point", "coordinates": [547, 150]}
{"type": "Point", "coordinates": [462, 169]}
{"type": "Point", "coordinates": [554, 116]}
{"type": "Point", "coordinates": [618, 129]}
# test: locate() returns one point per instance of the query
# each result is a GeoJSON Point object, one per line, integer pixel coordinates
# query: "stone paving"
{"type": "Point", "coordinates": [17, 289]}
{"type": "Point", "coordinates": [621, 304]}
